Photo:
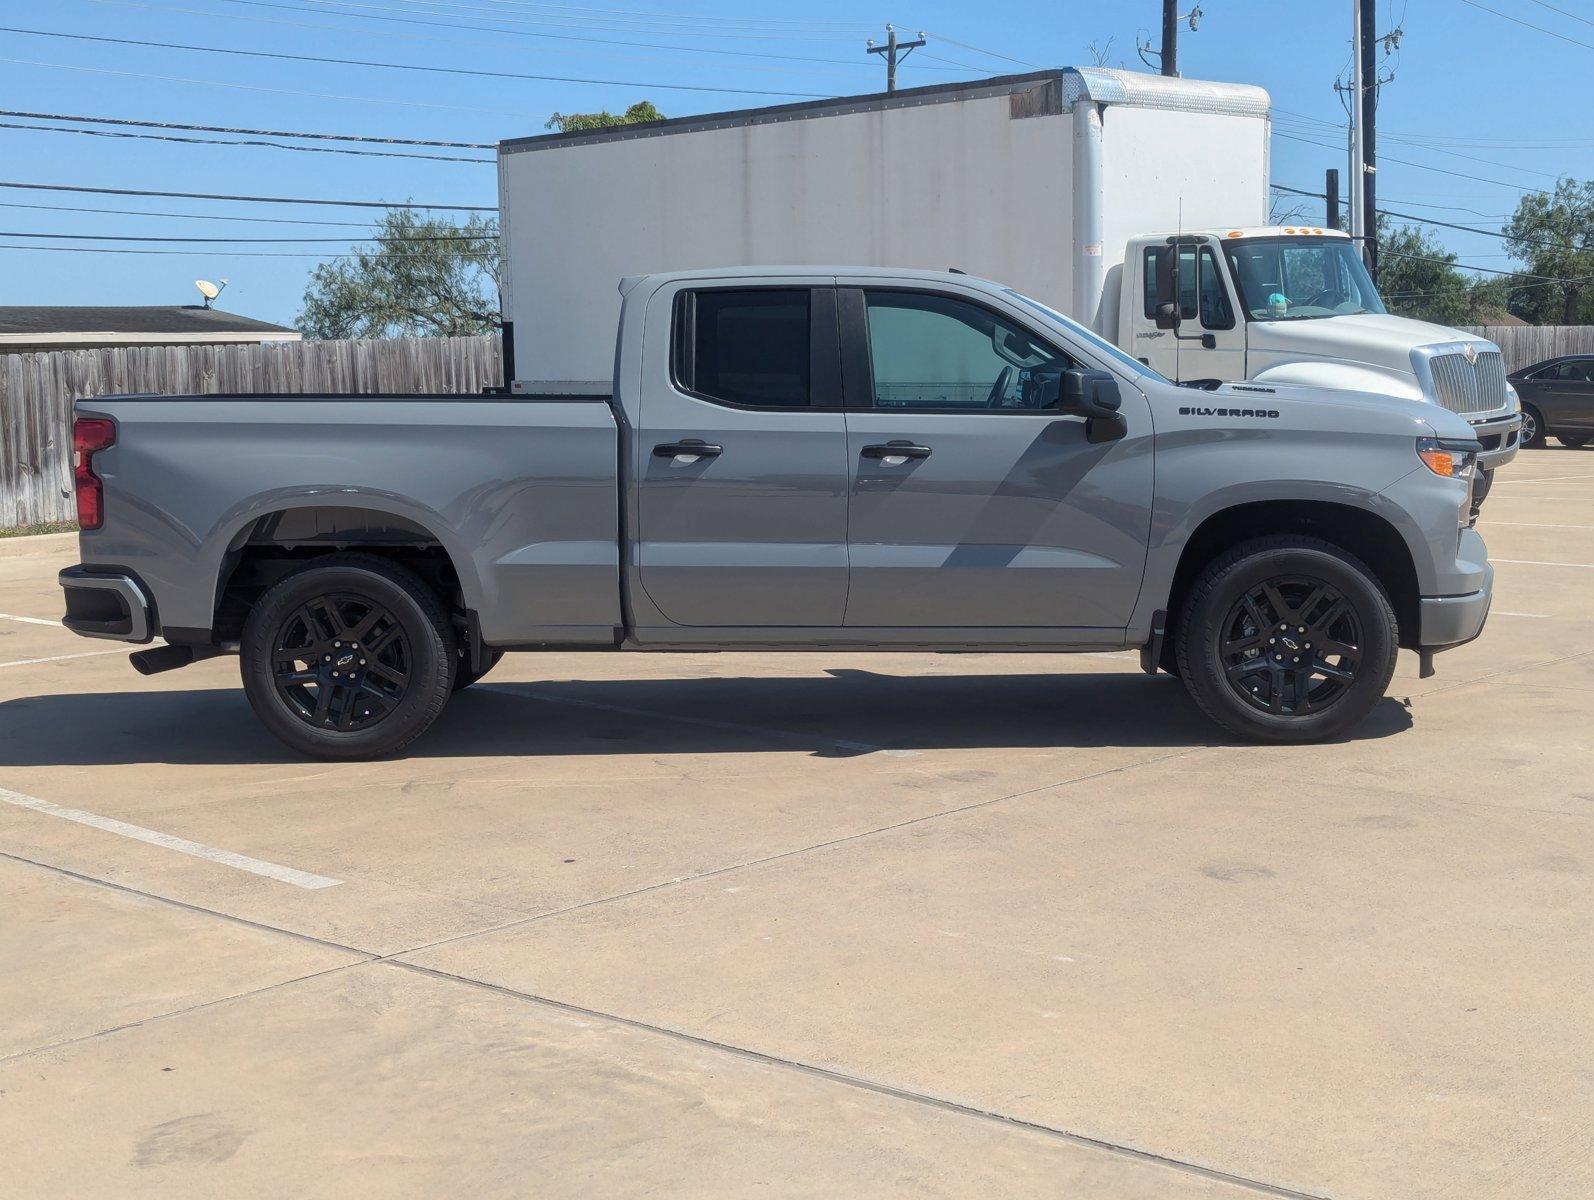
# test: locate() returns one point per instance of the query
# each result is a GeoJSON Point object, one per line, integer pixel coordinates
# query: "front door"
{"type": "Point", "coordinates": [1206, 315]}
{"type": "Point", "coordinates": [740, 461]}
{"type": "Point", "coordinates": [972, 506]}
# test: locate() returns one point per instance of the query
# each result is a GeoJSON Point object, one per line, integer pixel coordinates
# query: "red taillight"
{"type": "Point", "coordinates": [88, 435]}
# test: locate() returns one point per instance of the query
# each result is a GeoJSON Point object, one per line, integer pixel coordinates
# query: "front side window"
{"type": "Point", "coordinates": [747, 347]}
{"type": "Point", "coordinates": [933, 351]}
{"type": "Point", "coordinates": [1295, 279]}
{"type": "Point", "coordinates": [1201, 292]}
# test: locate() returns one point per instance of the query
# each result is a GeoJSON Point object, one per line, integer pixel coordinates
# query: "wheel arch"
{"type": "Point", "coordinates": [1370, 537]}
{"type": "Point", "coordinates": [268, 542]}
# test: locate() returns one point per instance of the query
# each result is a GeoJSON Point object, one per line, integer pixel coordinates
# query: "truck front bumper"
{"type": "Point", "coordinates": [1501, 439]}
{"type": "Point", "coordinates": [106, 603]}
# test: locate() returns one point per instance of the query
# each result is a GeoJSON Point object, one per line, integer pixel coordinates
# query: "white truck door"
{"type": "Point", "coordinates": [1210, 340]}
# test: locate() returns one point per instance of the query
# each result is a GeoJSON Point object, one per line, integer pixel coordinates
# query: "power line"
{"type": "Point", "coordinates": [1563, 12]}
{"type": "Point", "coordinates": [1528, 24]}
{"type": "Point", "coordinates": [339, 241]}
{"type": "Point", "coordinates": [110, 191]}
{"type": "Point", "coordinates": [253, 143]}
{"type": "Point", "coordinates": [941, 37]}
{"type": "Point", "coordinates": [286, 133]}
{"type": "Point", "coordinates": [427, 69]}
{"type": "Point", "coordinates": [363, 16]}
{"type": "Point", "coordinates": [137, 212]}
{"type": "Point", "coordinates": [1406, 162]}
{"type": "Point", "coordinates": [188, 253]}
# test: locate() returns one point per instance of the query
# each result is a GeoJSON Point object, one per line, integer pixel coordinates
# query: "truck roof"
{"type": "Point", "coordinates": [1034, 94]}
{"type": "Point", "coordinates": [1254, 231]}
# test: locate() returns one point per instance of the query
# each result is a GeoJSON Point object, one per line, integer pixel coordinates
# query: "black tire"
{"type": "Point", "coordinates": [376, 705]}
{"type": "Point", "coordinates": [1532, 428]}
{"type": "Point", "coordinates": [1571, 443]}
{"type": "Point", "coordinates": [1252, 686]}
{"type": "Point", "coordinates": [462, 673]}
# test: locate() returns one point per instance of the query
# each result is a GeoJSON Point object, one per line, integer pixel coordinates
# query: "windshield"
{"type": "Point", "coordinates": [1095, 341]}
{"type": "Point", "coordinates": [1298, 279]}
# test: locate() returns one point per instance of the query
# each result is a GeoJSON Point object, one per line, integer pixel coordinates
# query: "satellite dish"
{"type": "Point", "coordinates": [209, 290]}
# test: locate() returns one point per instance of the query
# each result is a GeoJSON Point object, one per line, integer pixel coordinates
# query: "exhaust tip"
{"type": "Point", "coordinates": [161, 658]}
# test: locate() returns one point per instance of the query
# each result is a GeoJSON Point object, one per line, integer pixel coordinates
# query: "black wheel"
{"type": "Point", "coordinates": [462, 673]}
{"type": "Point", "coordinates": [1532, 437]}
{"type": "Point", "coordinates": [1571, 443]}
{"type": "Point", "coordinates": [1287, 639]}
{"type": "Point", "coordinates": [350, 657]}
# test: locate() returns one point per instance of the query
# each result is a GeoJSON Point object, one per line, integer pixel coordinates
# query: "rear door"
{"type": "Point", "coordinates": [741, 462]}
{"type": "Point", "coordinates": [972, 507]}
{"type": "Point", "coordinates": [1571, 384]}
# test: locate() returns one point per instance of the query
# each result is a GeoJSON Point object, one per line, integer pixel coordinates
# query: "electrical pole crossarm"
{"type": "Point", "coordinates": [894, 51]}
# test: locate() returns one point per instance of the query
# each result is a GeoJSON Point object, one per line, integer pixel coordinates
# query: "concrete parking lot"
{"type": "Point", "coordinates": [809, 925]}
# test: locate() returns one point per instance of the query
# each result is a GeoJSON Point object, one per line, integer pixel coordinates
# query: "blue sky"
{"type": "Point", "coordinates": [1481, 107]}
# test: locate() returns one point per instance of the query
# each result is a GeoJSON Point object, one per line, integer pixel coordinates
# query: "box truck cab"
{"type": "Point", "coordinates": [1295, 305]}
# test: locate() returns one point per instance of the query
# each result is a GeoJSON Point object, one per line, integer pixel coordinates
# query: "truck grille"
{"type": "Point", "coordinates": [1469, 388]}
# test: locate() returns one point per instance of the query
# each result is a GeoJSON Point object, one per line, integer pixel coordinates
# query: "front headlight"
{"type": "Point", "coordinates": [1516, 400]}
{"type": "Point", "coordinates": [1451, 457]}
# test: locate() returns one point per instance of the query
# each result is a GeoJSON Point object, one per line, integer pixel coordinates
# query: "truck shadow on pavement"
{"type": "Point", "coordinates": [842, 714]}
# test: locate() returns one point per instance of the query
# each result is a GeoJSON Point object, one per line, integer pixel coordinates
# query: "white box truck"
{"type": "Point", "coordinates": [1132, 203]}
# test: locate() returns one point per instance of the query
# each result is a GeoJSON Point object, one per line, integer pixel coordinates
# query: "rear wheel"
{"type": "Point", "coordinates": [351, 657]}
{"type": "Point", "coordinates": [1532, 437]}
{"type": "Point", "coordinates": [1571, 443]}
{"type": "Point", "coordinates": [1287, 639]}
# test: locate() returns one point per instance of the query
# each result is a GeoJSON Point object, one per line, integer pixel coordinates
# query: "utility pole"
{"type": "Point", "coordinates": [1331, 196]}
{"type": "Point", "coordinates": [890, 50]}
{"type": "Point", "coordinates": [1367, 123]}
{"type": "Point", "coordinates": [1170, 37]}
{"type": "Point", "coordinates": [1354, 176]}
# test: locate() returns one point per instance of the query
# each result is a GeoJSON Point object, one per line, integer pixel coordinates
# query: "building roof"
{"type": "Point", "coordinates": [30, 320]}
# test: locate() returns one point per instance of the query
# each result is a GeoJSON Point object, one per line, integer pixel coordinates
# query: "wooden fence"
{"type": "Point", "coordinates": [37, 391]}
{"type": "Point", "coordinates": [1524, 345]}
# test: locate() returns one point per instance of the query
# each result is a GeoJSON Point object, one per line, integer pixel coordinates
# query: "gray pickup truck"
{"type": "Point", "coordinates": [791, 459]}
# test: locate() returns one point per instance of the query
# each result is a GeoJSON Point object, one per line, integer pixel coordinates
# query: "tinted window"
{"type": "Point", "coordinates": [1579, 370]}
{"type": "Point", "coordinates": [745, 347]}
{"type": "Point", "coordinates": [932, 351]}
{"type": "Point", "coordinates": [1201, 291]}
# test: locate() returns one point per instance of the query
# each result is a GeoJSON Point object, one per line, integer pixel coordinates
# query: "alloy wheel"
{"type": "Point", "coordinates": [1291, 645]}
{"type": "Point", "coordinates": [341, 662]}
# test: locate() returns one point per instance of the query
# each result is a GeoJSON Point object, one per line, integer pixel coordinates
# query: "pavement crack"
{"type": "Point", "coordinates": [861, 1083]}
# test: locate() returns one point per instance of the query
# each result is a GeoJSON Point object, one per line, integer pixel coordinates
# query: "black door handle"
{"type": "Point", "coordinates": [896, 450]}
{"type": "Point", "coordinates": [701, 449]}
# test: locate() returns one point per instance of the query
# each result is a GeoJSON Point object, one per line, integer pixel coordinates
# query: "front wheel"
{"type": "Point", "coordinates": [1287, 639]}
{"type": "Point", "coordinates": [349, 657]}
{"type": "Point", "coordinates": [1571, 443]}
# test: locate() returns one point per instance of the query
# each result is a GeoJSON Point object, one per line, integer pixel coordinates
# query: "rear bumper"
{"type": "Point", "coordinates": [105, 603]}
{"type": "Point", "coordinates": [1452, 620]}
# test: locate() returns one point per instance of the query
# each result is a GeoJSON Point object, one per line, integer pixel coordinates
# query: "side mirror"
{"type": "Point", "coordinates": [1089, 393]}
{"type": "Point", "coordinates": [1167, 310]}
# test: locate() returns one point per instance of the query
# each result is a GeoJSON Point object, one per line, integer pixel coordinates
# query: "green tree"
{"type": "Point", "coordinates": [1417, 276]}
{"type": "Point", "coordinates": [422, 276]}
{"type": "Point", "coordinates": [639, 112]}
{"type": "Point", "coordinates": [1553, 232]}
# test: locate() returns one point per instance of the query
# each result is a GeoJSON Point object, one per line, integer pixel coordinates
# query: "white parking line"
{"type": "Point", "coordinates": [709, 723]}
{"type": "Point", "coordinates": [1538, 525]}
{"type": "Point", "coordinates": [138, 833]}
{"type": "Point", "coordinates": [1548, 479]}
{"type": "Point", "coordinates": [28, 662]}
{"type": "Point", "coordinates": [1500, 612]}
{"type": "Point", "coordinates": [29, 620]}
{"type": "Point", "coordinates": [1538, 562]}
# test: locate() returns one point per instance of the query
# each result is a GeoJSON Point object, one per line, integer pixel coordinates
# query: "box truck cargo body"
{"type": "Point", "coordinates": [1009, 178]}
{"type": "Point", "coordinates": [1131, 203]}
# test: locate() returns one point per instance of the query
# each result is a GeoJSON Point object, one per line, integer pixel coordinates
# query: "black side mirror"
{"type": "Point", "coordinates": [1094, 396]}
{"type": "Point", "coordinates": [1167, 310]}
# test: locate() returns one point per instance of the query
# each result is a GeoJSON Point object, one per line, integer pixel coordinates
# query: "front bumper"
{"type": "Point", "coordinates": [1500, 437]}
{"type": "Point", "coordinates": [1454, 620]}
{"type": "Point", "coordinates": [106, 603]}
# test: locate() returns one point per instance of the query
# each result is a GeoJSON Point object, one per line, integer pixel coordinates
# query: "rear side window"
{"type": "Point", "coordinates": [748, 347]}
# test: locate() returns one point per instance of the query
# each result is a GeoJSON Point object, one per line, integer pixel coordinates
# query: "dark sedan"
{"type": "Point", "coordinates": [1557, 401]}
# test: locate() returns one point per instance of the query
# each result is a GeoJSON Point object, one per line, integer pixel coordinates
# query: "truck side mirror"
{"type": "Point", "coordinates": [1167, 310]}
{"type": "Point", "coordinates": [1094, 396]}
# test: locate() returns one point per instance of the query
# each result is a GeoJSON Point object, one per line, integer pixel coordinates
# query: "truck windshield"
{"type": "Point", "coordinates": [1095, 341]}
{"type": "Point", "coordinates": [1297, 279]}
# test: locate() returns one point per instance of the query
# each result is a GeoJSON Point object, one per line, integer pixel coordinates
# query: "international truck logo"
{"type": "Point", "coordinates": [1471, 352]}
{"type": "Point", "coordinates": [1270, 414]}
